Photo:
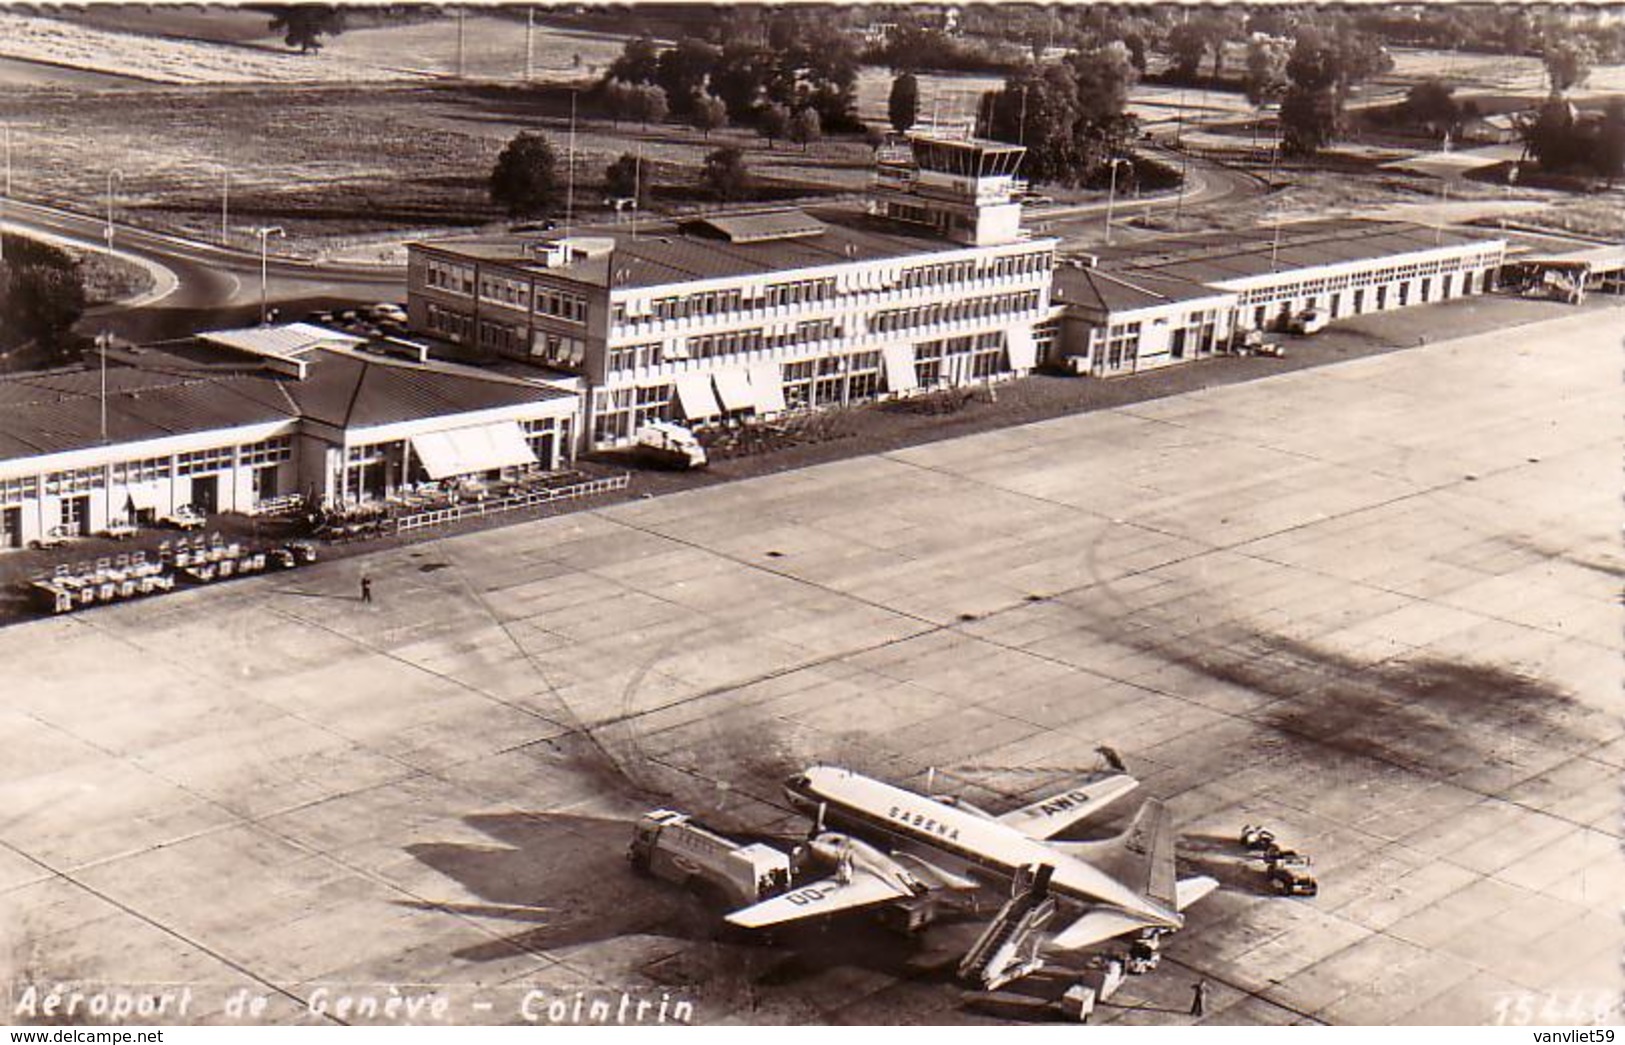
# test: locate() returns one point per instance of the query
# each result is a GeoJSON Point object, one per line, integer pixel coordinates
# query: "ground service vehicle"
{"type": "Point", "coordinates": [668, 845]}
{"type": "Point", "coordinates": [1310, 321]}
{"type": "Point", "coordinates": [670, 446]}
{"type": "Point", "coordinates": [120, 530]}
{"type": "Point", "coordinates": [1288, 873]}
{"type": "Point", "coordinates": [185, 517]}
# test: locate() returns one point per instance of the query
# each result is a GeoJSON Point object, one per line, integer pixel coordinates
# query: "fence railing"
{"type": "Point", "coordinates": [495, 506]}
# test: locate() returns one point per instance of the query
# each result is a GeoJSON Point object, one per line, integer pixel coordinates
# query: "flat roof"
{"type": "Point", "coordinates": [1214, 257]}
{"type": "Point", "coordinates": [288, 341]}
{"type": "Point", "coordinates": [666, 253]}
{"type": "Point", "coordinates": [190, 387]}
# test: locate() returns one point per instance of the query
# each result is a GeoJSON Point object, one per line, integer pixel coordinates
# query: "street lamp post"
{"type": "Point", "coordinates": [1111, 195]}
{"type": "Point", "coordinates": [265, 233]}
{"type": "Point", "coordinates": [103, 340]}
{"type": "Point", "coordinates": [112, 175]}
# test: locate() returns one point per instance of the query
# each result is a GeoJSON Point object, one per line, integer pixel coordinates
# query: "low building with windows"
{"type": "Point", "coordinates": [237, 420]}
{"type": "Point", "coordinates": [743, 315]}
{"type": "Point", "coordinates": [1116, 323]}
{"type": "Point", "coordinates": [1132, 308]}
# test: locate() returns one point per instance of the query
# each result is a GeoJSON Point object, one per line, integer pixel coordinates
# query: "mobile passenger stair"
{"type": "Point", "coordinates": [1008, 948]}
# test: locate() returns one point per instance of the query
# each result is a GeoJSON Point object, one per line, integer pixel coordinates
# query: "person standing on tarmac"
{"type": "Point", "coordinates": [366, 589]}
{"type": "Point", "coordinates": [1199, 991]}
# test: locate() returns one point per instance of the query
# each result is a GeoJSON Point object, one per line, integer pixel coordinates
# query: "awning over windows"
{"type": "Point", "coordinates": [1023, 350]}
{"type": "Point", "coordinates": [900, 375]}
{"type": "Point", "coordinates": [768, 384]}
{"type": "Point", "coordinates": [733, 388]}
{"type": "Point", "coordinates": [695, 397]}
{"type": "Point", "coordinates": [466, 451]}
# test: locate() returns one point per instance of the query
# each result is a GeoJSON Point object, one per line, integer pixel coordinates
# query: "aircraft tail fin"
{"type": "Point", "coordinates": [1142, 855]}
{"type": "Point", "coordinates": [1160, 883]}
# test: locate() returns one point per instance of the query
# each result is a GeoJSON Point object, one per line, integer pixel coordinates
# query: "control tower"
{"type": "Point", "coordinates": [962, 186]}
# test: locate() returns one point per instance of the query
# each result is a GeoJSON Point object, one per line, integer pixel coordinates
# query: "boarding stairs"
{"type": "Point", "coordinates": [1008, 948]}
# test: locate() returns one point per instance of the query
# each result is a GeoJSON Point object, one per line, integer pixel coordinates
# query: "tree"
{"type": "Point", "coordinates": [1136, 50]}
{"type": "Point", "coordinates": [707, 114]}
{"type": "Point", "coordinates": [903, 106]}
{"type": "Point", "coordinates": [1070, 115]}
{"type": "Point", "coordinates": [304, 25]}
{"type": "Point", "coordinates": [525, 178]}
{"type": "Point", "coordinates": [42, 295]}
{"type": "Point", "coordinates": [1187, 44]}
{"type": "Point", "coordinates": [806, 127]}
{"type": "Point", "coordinates": [1359, 57]}
{"type": "Point", "coordinates": [1568, 63]}
{"type": "Point", "coordinates": [1312, 108]}
{"type": "Point", "coordinates": [628, 178]}
{"type": "Point", "coordinates": [739, 76]}
{"type": "Point", "coordinates": [639, 62]}
{"type": "Point", "coordinates": [1310, 120]}
{"type": "Point", "coordinates": [1265, 78]}
{"type": "Point", "coordinates": [1429, 104]}
{"type": "Point", "coordinates": [649, 104]}
{"type": "Point", "coordinates": [725, 173]}
{"type": "Point", "coordinates": [683, 71]}
{"type": "Point", "coordinates": [774, 123]}
{"type": "Point", "coordinates": [620, 100]}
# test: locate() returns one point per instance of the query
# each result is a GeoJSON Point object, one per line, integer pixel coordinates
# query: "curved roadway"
{"type": "Point", "coordinates": [1210, 184]}
{"type": "Point", "coordinates": [207, 284]}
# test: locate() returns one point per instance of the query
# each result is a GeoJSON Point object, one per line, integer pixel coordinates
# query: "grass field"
{"type": "Point", "coordinates": [344, 161]}
{"type": "Point", "coordinates": [231, 46]}
{"type": "Point", "coordinates": [1602, 218]}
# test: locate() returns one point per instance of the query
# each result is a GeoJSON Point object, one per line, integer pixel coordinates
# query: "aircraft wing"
{"type": "Point", "coordinates": [1048, 817]}
{"type": "Point", "coordinates": [819, 899]}
{"type": "Point", "coordinates": [1105, 923]}
{"type": "Point", "coordinates": [1102, 923]}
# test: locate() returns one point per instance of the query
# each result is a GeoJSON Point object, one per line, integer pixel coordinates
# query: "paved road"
{"type": "Point", "coordinates": [206, 283]}
{"type": "Point", "coordinates": [1208, 185]}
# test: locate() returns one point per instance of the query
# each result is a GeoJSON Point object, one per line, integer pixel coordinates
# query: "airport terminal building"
{"type": "Point", "coordinates": [756, 314]}
{"type": "Point", "coordinates": [238, 421]}
{"type": "Point", "coordinates": [751, 315]}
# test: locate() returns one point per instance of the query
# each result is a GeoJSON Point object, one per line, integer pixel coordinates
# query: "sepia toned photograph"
{"type": "Point", "coordinates": [702, 514]}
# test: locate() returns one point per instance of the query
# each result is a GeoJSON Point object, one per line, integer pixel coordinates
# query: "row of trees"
{"type": "Point", "coordinates": [1561, 141]}
{"type": "Point", "coordinates": [796, 62]}
{"type": "Point", "coordinates": [525, 180]}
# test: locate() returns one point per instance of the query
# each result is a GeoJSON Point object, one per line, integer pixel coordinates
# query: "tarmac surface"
{"type": "Point", "coordinates": [1373, 605]}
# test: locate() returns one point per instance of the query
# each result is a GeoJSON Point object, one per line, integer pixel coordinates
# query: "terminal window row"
{"type": "Point", "coordinates": [557, 348]}
{"type": "Point", "coordinates": [454, 279]}
{"type": "Point", "coordinates": [146, 470]}
{"type": "Point", "coordinates": [829, 288]}
{"type": "Point", "coordinates": [543, 300]}
{"type": "Point", "coordinates": [450, 323]}
{"type": "Point", "coordinates": [954, 311]}
{"type": "Point", "coordinates": [76, 480]}
{"type": "Point", "coordinates": [1389, 274]}
{"type": "Point", "coordinates": [214, 460]}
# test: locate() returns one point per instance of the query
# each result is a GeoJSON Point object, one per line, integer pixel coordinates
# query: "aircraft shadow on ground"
{"type": "Point", "coordinates": [565, 881]}
{"type": "Point", "coordinates": [1226, 861]}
